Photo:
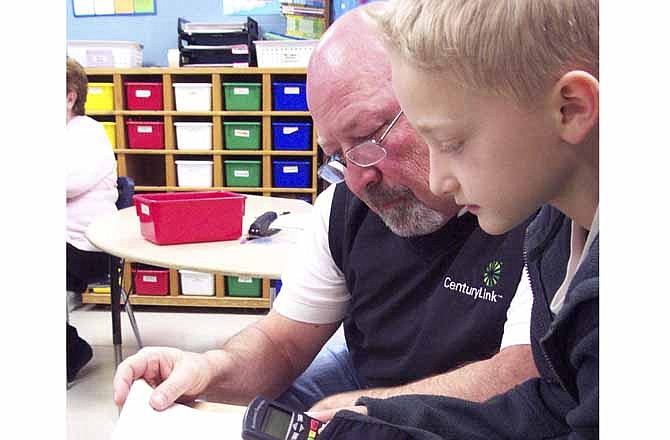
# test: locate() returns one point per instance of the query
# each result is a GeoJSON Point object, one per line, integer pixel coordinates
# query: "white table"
{"type": "Point", "coordinates": [119, 235]}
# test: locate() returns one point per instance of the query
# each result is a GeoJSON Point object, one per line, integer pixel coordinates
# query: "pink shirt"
{"type": "Point", "coordinates": [91, 178]}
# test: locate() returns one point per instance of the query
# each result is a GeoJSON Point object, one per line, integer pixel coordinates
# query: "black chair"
{"type": "Point", "coordinates": [126, 187]}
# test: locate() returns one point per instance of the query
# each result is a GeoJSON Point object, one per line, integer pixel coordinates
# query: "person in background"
{"type": "Point", "coordinates": [426, 298]}
{"type": "Point", "coordinates": [90, 192]}
{"type": "Point", "coordinates": [506, 94]}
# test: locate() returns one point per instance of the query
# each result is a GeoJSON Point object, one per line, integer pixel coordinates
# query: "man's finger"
{"type": "Point", "coordinates": [179, 382]}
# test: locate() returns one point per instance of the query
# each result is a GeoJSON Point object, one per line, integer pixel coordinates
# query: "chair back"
{"type": "Point", "coordinates": [126, 188]}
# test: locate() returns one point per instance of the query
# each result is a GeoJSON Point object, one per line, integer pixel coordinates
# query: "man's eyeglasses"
{"type": "Point", "coordinates": [365, 154]}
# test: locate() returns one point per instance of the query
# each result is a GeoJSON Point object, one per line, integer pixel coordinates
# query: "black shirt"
{"type": "Point", "coordinates": [421, 305]}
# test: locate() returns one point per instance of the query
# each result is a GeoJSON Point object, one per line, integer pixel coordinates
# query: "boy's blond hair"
{"type": "Point", "coordinates": [513, 48]}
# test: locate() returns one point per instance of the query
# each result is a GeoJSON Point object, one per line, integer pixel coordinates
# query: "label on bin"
{"type": "Point", "coordinates": [291, 169]}
{"type": "Point", "coordinates": [240, 49]}
{"type": "Point", "coordinates": [245, 280]}
{"type": "Point", "coordinates": [150, 278]}
{"type": "Point", "coordinates": [94, 91]}
{"type": "Point", "coordinates": [144, 208]}
{"type": "Point", "coordinates": [241, 133]}
{"type": "Point", "coordinates": [240, 91]}
{"type": "Point", "coordinates": [142, 93]}
{"type": "Point", "coordinates": [290, 130]}
{"type": "Point", "coordinates": [291, 90]}
{"type": "Point", "coordinates": [144, 129]}
{"type": "Point", "coordinates": [241, 173]}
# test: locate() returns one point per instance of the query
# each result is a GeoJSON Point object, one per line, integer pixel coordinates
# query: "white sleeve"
{"type": "Point", "coordinates": [89, 156]}
{"type": "Point", "coordinates": [313, 287]}
{"type": "Point", "coordinates": [517, 326]}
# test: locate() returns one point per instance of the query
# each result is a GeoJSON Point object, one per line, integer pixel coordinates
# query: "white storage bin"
{"type": "Point", "coordinates": [196, 283]}
{"type": "Point", "coordinates": [194, 135]}
{"type": "Point", "coordinates": [284, 53]}
{"type": "Point", "coordinates": [101, 53]}
{"type": "Point", "coordinates": [193, 97]}
{"type": "Point", "coordinates": [194, 173]}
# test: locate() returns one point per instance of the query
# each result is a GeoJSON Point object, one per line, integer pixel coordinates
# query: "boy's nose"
{"type": "Point", "coordinates": [442, 181]}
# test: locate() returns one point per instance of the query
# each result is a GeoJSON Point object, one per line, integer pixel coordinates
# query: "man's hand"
{"type": "Point", "coordinates": [326, 415]}
{"type": "Point", "coordinates": [175, 374]}
{"type": "Point", "coordinates": [341, 400]}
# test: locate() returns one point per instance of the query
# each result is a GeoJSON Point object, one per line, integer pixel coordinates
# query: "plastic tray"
{"type": "Point", "coordinates": [190, 217]}
{"type": "Point", "coordinates": [144, 95]}
{"type": "Point", "coordinates": [154, 282]}
{"type": "Point", "coordinates": [292, 136]}
{"type": "Point", "coordinates": [290, 96]}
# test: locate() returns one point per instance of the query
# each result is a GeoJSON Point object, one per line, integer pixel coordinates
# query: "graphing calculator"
{"type": "Point", "coordinates": [268, 420]}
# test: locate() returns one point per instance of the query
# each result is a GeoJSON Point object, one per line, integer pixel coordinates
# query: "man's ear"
{"type": "Point", "coordinates": [576, 97]}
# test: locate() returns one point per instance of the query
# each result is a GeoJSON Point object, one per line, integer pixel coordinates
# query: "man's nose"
{"type": "Point", "coordinates": [360, 177]}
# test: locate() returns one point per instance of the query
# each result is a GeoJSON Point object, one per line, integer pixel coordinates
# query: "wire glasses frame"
{"type": "Point", "coordinates": [366, 154]}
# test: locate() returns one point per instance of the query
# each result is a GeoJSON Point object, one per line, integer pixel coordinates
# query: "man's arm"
{"type": "Point", "coordinates": [477, 381]}
{"type": "Point", "coordinates": [264, 359]}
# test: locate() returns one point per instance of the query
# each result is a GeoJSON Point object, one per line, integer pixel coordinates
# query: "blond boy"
{"type": "Point", "coordinates": [506, 94]}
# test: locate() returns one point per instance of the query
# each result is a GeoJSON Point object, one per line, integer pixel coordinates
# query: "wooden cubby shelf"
{"type": "Point", "coordinates": [155, 170]}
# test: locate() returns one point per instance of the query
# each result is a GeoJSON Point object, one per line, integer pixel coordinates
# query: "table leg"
{"type": "Point", "coordinates": [115, 301]}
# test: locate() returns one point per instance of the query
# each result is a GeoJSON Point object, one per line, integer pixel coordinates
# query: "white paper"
{"type": "Point", "coordinates": [292, 221]}
{"type": "Point", "coordinates": [104, 7]}
{"type": "Point", "coordinates": [138, 421]}
{"type": "Point", "coordinates": [83, 7]}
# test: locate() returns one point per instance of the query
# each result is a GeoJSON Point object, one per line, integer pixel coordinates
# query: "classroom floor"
{"type": "Point", "coordinates": [91, 413]}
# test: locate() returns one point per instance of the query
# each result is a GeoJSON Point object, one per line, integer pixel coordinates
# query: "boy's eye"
{"type": "Point", "coordinates": [450, 147]}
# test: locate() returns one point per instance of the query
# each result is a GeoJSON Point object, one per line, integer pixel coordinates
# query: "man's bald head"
{"type": "Point", "coordinates": [349, 52]}
{"type": "Point", "coordinates": [351, 100]}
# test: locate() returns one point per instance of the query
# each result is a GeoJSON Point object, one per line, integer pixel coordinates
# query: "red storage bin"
{"type": "Point", "coordinates": [190, 217]}
{"type": "Point", "coordinates": [153, 282]}
{"type": "Point", "coordinates": [144, 95]}
{"type": "Point", "coordinates": [146, 135]}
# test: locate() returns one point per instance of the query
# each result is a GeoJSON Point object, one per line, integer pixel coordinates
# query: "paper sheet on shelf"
{"type": "Point", "coordinates": [138, 421]}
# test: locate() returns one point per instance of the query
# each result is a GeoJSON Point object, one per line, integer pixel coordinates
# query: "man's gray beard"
{"type": "Point", "coordinates": [407, 218]}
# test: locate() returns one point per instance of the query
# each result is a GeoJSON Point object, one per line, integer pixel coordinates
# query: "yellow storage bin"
{"type": "Point", "coordinates": [100, 97]}
{"type": "Point", "coordinates": [110, 129]}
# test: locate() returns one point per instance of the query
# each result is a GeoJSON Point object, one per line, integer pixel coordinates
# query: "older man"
{"type": "Point", "coordinates": [427, 298]}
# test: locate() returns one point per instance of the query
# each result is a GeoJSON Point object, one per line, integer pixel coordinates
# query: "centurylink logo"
{"type": "Point", "coordinates": [492, 274]}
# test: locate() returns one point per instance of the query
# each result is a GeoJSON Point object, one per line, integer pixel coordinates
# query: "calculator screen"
{"type": "Point", "coordinates": [276, 422]}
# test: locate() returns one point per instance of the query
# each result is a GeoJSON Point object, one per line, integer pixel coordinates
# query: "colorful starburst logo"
{"type": "Point", "coordinates": [492, 273]}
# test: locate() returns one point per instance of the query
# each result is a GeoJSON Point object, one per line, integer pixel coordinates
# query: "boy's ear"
{"type": "Point", "coordinates": [577, 99]}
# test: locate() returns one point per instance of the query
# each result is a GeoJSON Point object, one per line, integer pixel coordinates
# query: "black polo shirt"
{"type": "Point", "coordinates": [421, 305]}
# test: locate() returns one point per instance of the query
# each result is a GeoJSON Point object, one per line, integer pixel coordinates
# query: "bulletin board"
{"type": "Point", "coordinates": [89, 8]}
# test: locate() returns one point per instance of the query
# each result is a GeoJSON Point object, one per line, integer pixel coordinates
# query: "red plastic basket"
{"type": "Point", "coordinates": [190, 217]}
{"type": "Point", "coordinates": [146, 135]}
{"type": "Point", "coordinates": [151, 282]}
{"type": "Point", "coordinates": [144, 95]}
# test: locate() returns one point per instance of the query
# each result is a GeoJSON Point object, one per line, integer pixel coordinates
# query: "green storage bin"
{"type": "Point", "coordinates": [243, 286]}
{"type": "Point", "coordinates": [242, 96]}
{"type": "Point", "coordinates": [242, 135]}
{"type": "Point", "coordinates": [243, 173]}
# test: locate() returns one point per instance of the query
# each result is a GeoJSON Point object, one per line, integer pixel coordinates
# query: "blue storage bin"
{"type": "Point", "coordinates": [290, 96]}
{"type": "Point", "coordinates": [291, 173]}
{"type": "Point", "coordinates": [291, 135]}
